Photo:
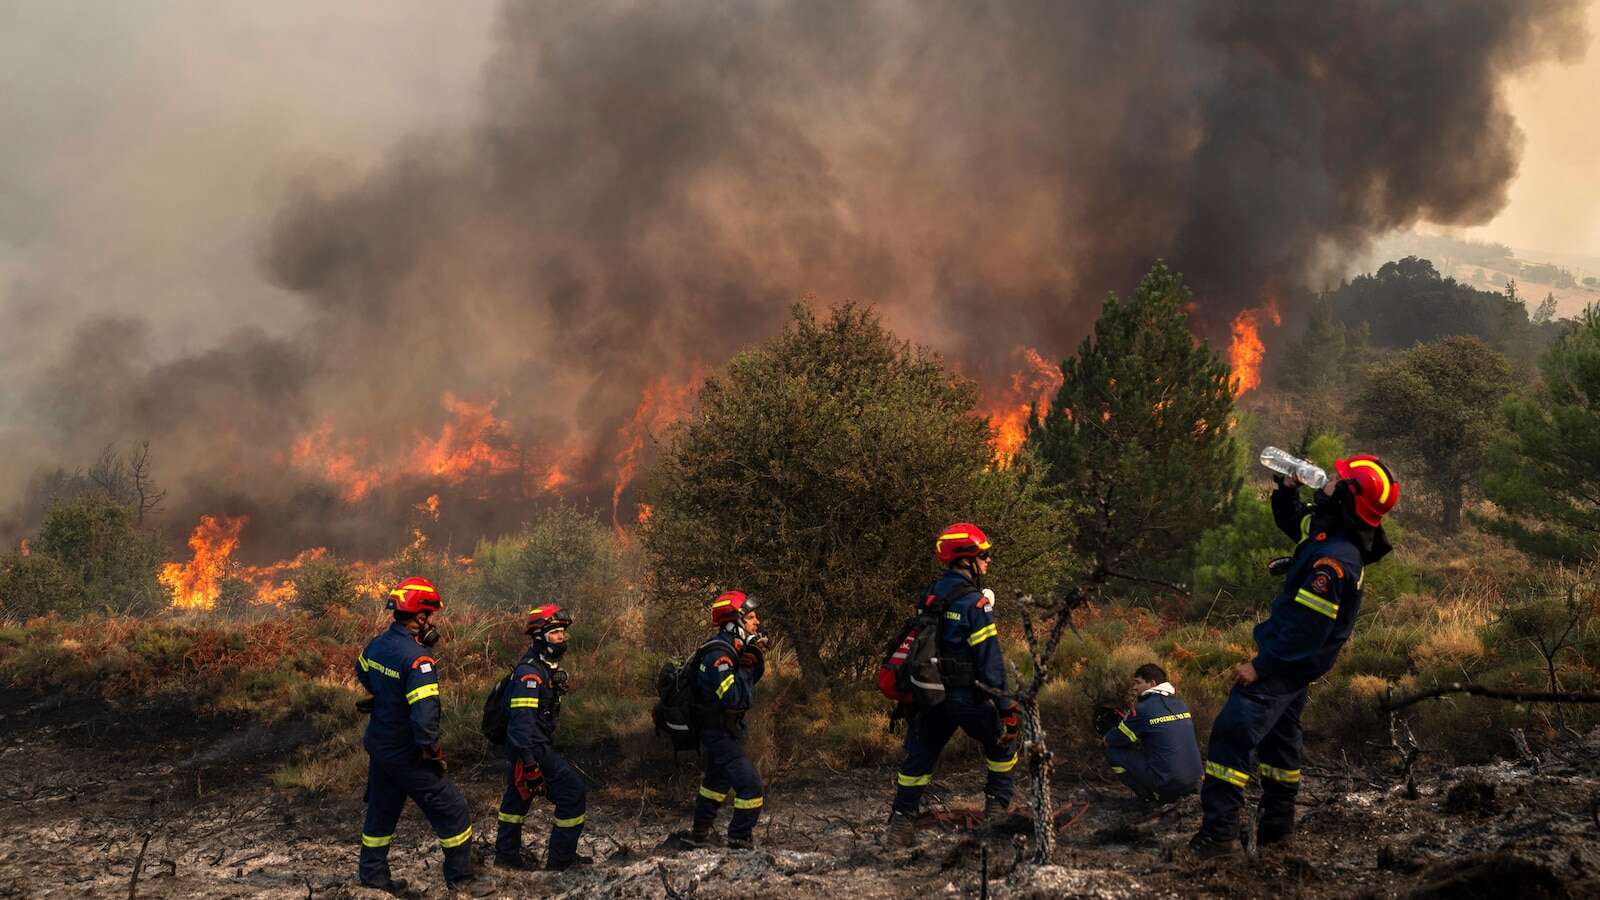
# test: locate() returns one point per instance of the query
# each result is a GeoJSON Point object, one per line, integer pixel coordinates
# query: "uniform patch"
{"type": "Point", "coordinates": [425, 668]}
{"type": "Point", "coordinates": [1321, 583]}
{"type": "Point", "coordinates": [421, 661]}
{"type": "Point", "coordinates": [533, 677]}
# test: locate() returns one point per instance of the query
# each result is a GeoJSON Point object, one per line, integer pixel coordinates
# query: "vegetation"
{"type": "Point", "coordinates": [815, 475]}
{"type": "Point", "coordinates": [89, 554]}
{"type": "Point", "coordinates": [1544, 474]}
{"type": "Point", "coordinates": [1139, 437]}
{"type": "Point", "coordinates": [1433, 407]}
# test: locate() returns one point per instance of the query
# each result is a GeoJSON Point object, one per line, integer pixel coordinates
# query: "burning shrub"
{"type": "Point", "coordinates": [815, 475]}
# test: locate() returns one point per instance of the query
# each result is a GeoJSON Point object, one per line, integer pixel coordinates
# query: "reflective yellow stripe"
{"type": "Point", "coordinates": [1231, 776]}
{"type": "Point", "coordinates": [368, 665]}
{"type": "Point", "coordinates": [709, 794]}
{"type": "Point", "coordinates": [1287, 776]}
{"type": "Point", "coordinates": [1123, 727]}
{"type": "Point", "coordinates": [915, 780]}
{"type": "Point", "coordinates": [368, 840]}
{"type": "Point", "coordinates": [1312, 601]}
{"type": "Point", "coordinates": [1162, 720]}
{"type": "Point", "coordinates": [1383, 477]}
{"type": "Point", "coordinates": [524, 702]}
{"type": "Point", "coordinates": [954, 535]}
{"type": "Point", "coordinates": [723, 687]}
{"type": "Point", "coordinates": [953, 616]}
{"type": "Point", "coordinates": [1004, 765]}
{"type": "Point", "coordinates": [981, 635]}
{"type": "Point", "coordinates": [1118, 769]}
{"type": "Point", "coordinates": [1305, 526]}
{"type": "Point", "coordinates": [513, 818]}
{"type": "Point", "coordinates": [752, 803]}
{"type": "Point", "coordinates": [573, 822]}
{"type": "Point", "coordinates": [422, 693]}
{"type": "Point", "coordinates": [458, 840]}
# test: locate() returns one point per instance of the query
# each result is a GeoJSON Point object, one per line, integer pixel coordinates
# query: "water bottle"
{"type": "Point", "coordinates": [1286, 464]}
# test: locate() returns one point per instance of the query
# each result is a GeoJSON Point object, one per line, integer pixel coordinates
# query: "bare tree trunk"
{"type": "Point", "coordinates": [1041, 762]}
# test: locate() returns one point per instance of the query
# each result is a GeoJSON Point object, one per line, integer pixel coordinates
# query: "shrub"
{"type": "Point", "coordinates": [98, 543]}
{"type": "Point", "coordinates": [37, 584]}
{"type": "Point", "coordinates": [324, 585]}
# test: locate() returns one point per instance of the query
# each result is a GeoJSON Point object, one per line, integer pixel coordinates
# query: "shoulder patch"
{"type": "Point", "coordinates": [723, 663]}
{"type": "Point", "coordinates": [421, 661]}
{"type": "Point", "coordinates": [533, 677]}
{"type": "Point", "coordinates": [1321, 583]}
{"type": "Point", "coordinates": [1329, 563]}
{"type": "Point", "coordinates": [425, 668]}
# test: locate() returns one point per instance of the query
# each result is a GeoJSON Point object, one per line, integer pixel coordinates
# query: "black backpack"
{"type": "Point", "coordinates": [911, 671]}
{"type": "Point", "coordinates": [496, 711]}
{"type": "Point", "coordinates": [677, 714]}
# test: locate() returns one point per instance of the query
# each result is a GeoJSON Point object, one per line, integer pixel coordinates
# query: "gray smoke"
{"type": "Point", "coordinates": [649, 186]}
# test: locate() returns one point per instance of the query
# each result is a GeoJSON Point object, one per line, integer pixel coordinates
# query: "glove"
{"type": "Point", "coordinates": [1010, 724]}
{"type": "Point", "coordinates": [1106, 718]}
{"type": "Point", "coordinates": [433, 755]}
{"type": "Point", "coordinates": [754, 660]}
{"type": "Point", "coordinates": [529, 779]}
{"type": "Point", "coordinates": [364, 705]}
{"type": "Point", "coordinates": [1279, 567]}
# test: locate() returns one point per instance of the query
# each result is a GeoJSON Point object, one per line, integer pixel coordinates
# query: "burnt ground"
{"type": "Point", "coordinates": [91, 795]}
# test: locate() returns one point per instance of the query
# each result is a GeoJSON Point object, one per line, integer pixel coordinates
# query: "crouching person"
{"type": "Point", "coordinates": [533, 765]}
{"type": "Point", "coordinates": [1154, 750]}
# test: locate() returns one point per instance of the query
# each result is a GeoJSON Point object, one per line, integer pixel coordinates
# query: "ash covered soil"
{"type": "Point", "coordinates": [91, 794]}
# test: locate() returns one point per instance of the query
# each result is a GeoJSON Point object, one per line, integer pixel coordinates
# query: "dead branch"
{"type": "Point", "coordinates": [661, 869]}
{"type": "Point", "coordinates": [138, 864]}
{"type": "Point", "coordinates": [1405, 744]}
{"type": "Point", "coordinates": [1478, 690]}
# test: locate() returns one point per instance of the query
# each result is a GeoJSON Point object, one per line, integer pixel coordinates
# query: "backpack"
{"type": "Point", "coordinates": [496, 711]}
{"type": "Point", "coordinates": [677, 714]}
{"type": "Point", "coordinates": [911, 671]}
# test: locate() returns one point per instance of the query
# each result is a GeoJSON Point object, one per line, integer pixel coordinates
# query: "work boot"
{"type": "Point", "coordinates": [561, 865]}
{"type": "Point", "coordinates": [994, 810]}
{"type": "Point", "coordinates": [1268, 837]}
{"type": "Point", "coordinates": [703, 839]}
{"type": "Point", "coordinates": [395, 886]}
{"type": "Point", "coordinates": [901, 834]}
{"type": "Point", "coordinates": [1208, 846]}
{"type": "Point", "coordinates": [519, 861]}
{"type": "Point", "coordinates": [748, 843]}
{"type": "Point", "coordinates": [473, 885]}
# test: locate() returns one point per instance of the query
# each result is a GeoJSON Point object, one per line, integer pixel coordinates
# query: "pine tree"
{"type": "Point", "coordinates": [1544, 475]}
{"type": "Point", "coordinates": [1139, 437]}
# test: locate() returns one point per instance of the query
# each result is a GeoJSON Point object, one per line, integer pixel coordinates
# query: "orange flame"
{"type": "Point", "coordinates": [335, 460]}
{"type": "Point", "coordinates": [1246, 351]}
{"type": "Point", "coordinates": [645, 512]}
{"type": "Point", "coordinates": [429, 507]}
{"type": "Point", "coordinates": [198, 583]}
{"type": "Point", "coordinates": [662, 404]}
{"type": "Point", "coordinates": [1032, 386]}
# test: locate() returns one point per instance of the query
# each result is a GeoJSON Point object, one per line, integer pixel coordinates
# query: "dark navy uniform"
{"type": "Point", "coordinates": [1311, 618]}
{"type": "Point", "coordinates": [725, 690]}
{"type": "Point", "coordinates": [970, 654]}
{"type": "Point", "coordinates": [1154, 751]}
{"type": "Point", "coordinates": [535, 703]}
{"type": "Point", "coordinates": [404, 685]}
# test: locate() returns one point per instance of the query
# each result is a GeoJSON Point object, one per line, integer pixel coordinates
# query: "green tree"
{"type": "Point", "coordinates": [1546, 312]}
{"type": "Point", "coordinates": [1545, 471]}
{"type": "Point", "coordinates": [816, 473]}
{"type": "Point", "coordinates": [1139, 437]}
{"type": "Point", "coordinates": [98, 541]}
{"type": "Point", "coordinates": [1429, 405]}
{"type": "Point", "coordinates": [322, 585]}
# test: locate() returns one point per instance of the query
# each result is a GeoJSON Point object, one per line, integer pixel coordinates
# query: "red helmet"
{"type": "Point", "coordinates": [730, 606]}
{"type": "Point", "coordinates": [415, 595]}
{"type": "Point", "coordinates": [546, 617]}
{"type": "Point", "coordinates": [1376, 491]}
{"type": "Point", "coordinates": [963, 540]}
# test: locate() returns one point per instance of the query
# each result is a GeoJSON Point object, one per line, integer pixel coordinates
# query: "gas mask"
{"type": "Point", "coordinates": [427, 634]}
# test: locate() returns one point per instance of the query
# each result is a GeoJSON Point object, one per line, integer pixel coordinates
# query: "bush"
{"type": "Point", "coordinates": [98, 545]}
{"type": "Point", "coordinates": [565, 555]}
{"type": "Point", "coordinates": [324, 585]}
{"type": "Point", "coordinates": [37, 584]}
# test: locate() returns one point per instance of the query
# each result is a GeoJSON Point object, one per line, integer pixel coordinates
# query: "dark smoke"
{"type": "Point", "coordinates": [651, 185]}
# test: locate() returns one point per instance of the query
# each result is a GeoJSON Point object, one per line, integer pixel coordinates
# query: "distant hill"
{"type": "Point", "coordinates": [1573, 279]}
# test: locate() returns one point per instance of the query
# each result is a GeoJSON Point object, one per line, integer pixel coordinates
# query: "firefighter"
{"type": "Point", "coordinates": [1154, 750]}
{"type": "Point", "coordinates": [1339, 534]}
{"type": "Point", "coordinates": [402, 743]}
{"type": "Point", "coordinates": [728, 667]}
{"type": "Point", "coordinates": [974, 681]}
{"type": "Point", "coordinates": [533, 766]}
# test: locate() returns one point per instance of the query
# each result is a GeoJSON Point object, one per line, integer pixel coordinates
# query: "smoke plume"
{"type": "Point", "coordinates": [647, 187]}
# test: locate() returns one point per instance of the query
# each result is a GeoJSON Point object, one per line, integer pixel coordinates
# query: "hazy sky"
{"type": "Point", "coordinates": [1555, 200]}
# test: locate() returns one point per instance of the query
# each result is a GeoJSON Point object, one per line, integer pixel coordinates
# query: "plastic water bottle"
{"type": "Point", "coordinates": [1286, 464]}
